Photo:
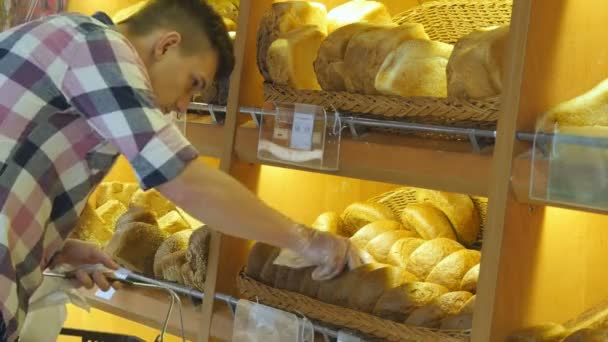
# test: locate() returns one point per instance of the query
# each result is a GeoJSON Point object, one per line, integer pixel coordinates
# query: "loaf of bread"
{"type": "Point", "coordinates": [459, 209]}
{"type": "Point", "coordinates": [372, 230]}
{"type": "Point", "coordinates": [329, 64]}
{"type": "Point", "coordinates": [357, 11]}
{"type": "Point", "coordinates": [282, 18]}
{"type": "Point", "coordinates": [269, 270]}
{"type": "Point", "coordinates": [428, 221]}
{"type": "Point", "coordinates": [153, 201]}
{"type": "Point", "coordinates": [548, 332]}
{"type": "Point", "coordinates": [475, 68]}
{"type": "Point", "coordinates": [258, 256]}
{"type": "Point", "coordinates": [281, 277]}
{"type": "Point", "coordinates": [415, 68]}
{"type": "Point", "coordinates": [596, 317]}
{"type": "Point", "coordinates": [290, 58]}
{"type": "Point", "coordinates": [399, 254]}
{"type": "Point", "coordinates": [588, 335]}
{"type": "Point", "coordinates": [171, 266]}
{"type": "Point", "coordinates": [338, 290]}
{"type": "Point", "coordinates": [329, 222]}
{"type": "Point", "coordinates": [358, 214]}
{"type": "Point", "coordinates": [134, 246]}
{"type": "Point", "coordinates": [110, 212]}
{"type": "Point", "coordinates": [136, 214]}
{"type": "Point", "coordinates": [197, 255]}
{"type": "Point", "coordinates": [174, 243]}
{"type": "Point", "coordinates": [398, 303]}
{"type": "Point", "coordinates": [380, 246]}
{"type": "Point", "coordinates": [118, 191]}
{"type": "Point", "coordinates": [469, 281]}
{"type": "Point", "coordinates": [588, 109]}
{"type": "Point", "coordinates": [429, 254]}
{"type": "Point", "coordinates": [309, 287]}
{"type": "Point", "coordinates": [91, 227]}
{"type": "Point", "coordinates": [450, 271]}
{"type": "Point", "coordinates": [372, 284]}
{"type": "Point", "coordinates": [367, 51]}
{"type": "Point", "coordinates": [173, 222]}
{"type": "Point", "coordinates": [296, 277]}
{"type": "Point", "coordinates": [463, 320]}
{"type": "Point", "coordinates": [432, 314]}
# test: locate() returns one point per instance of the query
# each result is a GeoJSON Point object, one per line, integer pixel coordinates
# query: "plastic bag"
{"type": "Point", "coordinates": [259, 323]}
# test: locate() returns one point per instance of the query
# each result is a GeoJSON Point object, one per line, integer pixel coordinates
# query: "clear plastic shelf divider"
{"type": "Point", "coordinates": [301, 135]}
{"type": "Point", "coordinates": [570, 165]}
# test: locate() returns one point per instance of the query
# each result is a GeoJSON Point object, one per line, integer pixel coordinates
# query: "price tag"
{"type": "Point", "coordinates": [303, 128]}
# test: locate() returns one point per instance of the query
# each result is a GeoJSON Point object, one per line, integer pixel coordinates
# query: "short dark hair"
{"type": "Point", "coordinates": [186, 16]}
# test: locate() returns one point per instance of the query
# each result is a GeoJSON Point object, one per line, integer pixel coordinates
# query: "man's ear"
{"type": "Point", "coordinates": [166, 42]}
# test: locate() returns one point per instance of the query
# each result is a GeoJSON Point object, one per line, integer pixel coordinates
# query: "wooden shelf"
{"type": "Point", "coordinates": [149, 307]}
{"type": "Point", "coordinates": [411, 161]}
{"type": "Point", "coordinates": [206, 136]}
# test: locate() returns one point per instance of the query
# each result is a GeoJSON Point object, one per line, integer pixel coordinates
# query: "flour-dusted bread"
{"type": "Point", "coordinates": [469, 281]}
{"type": "Point", "coordinates": [329, 222]}
{"type": "Point", "coordinates": [428, 221]}
{"type": "Point", "coordinates": [153, 201]}
{"type": "Point", "coordinates": [415, 68]}
{"type": "Point", "coordinates": [173, 222]}
{"type": "Point", "coordinates": [431, 315]}
{"type": "Point", "coordinates": [588, 335]}
{"type": "Point", "coordinates": [258, 256]}
{"type": "Point", "coordinates": [475, 69]}
{"type": "Point", "coordinates": [588, 109]}
{"type": "Point", "coordinates": [174, 243]}
{"type": "Point", "coordinates": [450, 271]}
{"type": "Point", "coordinates": [459, 209]}
{"type": "Point", "coordinates": [399, 254]}
{"type": "Point", "coordinates": [367, 51]}
{"type": "Point", "coordinates": [463, 320]}
{"type": "Point", "coordinates": [91, 227]}
{"type": "Point", "coordinates": [548, 332]}
{"type": "Point", "coordinates": [398, 303]}
{"type": "Point", "coordinates": [118, 191]}
{"type": "Point", "coordinates": [290, 58]}
{"type": "Point", "coordinates": [373, 230]}
{"type": "Point", "coordinates": [380, 246]}
{"type": "Point", "coordinates": [359, 214]}
{"type": "Point", "coordinates": [282, 18]}
{"type": "Point", "coordinates": [134, 246]}
{"type": "Point", "coordinates": [197, 255]}
{"type": "Point", "coordinates": [357, 11]}
{"type": "Point", "coordinates": [373, 284]}
{"type": "Point", "coordinates": [424, 258]}
{"type": "Point", "coordinates": [329, 64]}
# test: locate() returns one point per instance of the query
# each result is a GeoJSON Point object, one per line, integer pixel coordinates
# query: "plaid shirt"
{"type": "Point", "coordinates": [73, 95]}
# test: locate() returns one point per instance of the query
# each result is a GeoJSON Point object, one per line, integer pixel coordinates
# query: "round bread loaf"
{"type": "Point", "coordinates": [175, 242]}
{"type": "Point", "coordinates": [357, 215]}
{"type": "Point", "coordinates": [469, 281]}
{"type": "Point", "coordinates": [398, 303]}
{"type": "Point", "coordinates": [424, 258]}
{"type": "Point", "coordinates": [372, 230]}
{"type": "Point", "coordinates": [171, 266]}
{"type": "Point", "coordinates": [399, 254]}
{"type": "Point", "coordinates": [380, 246]}
{"type": "Point", "coordinates": [450, 271]}
{"type": "Point", "coordinates": [428, 221]}
{"type": "Point", "coordinates": [329, 222]}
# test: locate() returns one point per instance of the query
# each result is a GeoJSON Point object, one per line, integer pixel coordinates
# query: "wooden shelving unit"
{"type": "Point", "coordinates": [539, 263]}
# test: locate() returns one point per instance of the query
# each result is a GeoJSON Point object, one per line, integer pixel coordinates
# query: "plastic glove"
{"type": "Point", "coordinates": [330, 253]}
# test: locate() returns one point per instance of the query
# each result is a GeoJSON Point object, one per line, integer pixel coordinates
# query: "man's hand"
{"type": "Point", "coordinates": [331, 253]}
{"type": "Point", "coordinates": [77, 253]}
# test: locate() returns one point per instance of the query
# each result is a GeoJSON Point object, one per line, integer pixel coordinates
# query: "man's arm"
{"type": "Point", "coordinates": [227, 206]}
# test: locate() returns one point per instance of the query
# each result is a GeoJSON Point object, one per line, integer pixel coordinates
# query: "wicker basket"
{"type": "Point", "coordinates": [374, 328]}
{"type": "Point", "coordinates": [364, 323]}
{"type": "Point", "coordinates": [445, 21]}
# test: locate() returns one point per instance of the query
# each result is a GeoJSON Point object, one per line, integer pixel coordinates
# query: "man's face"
{"type": "Point", "coordinates": [177, 76]}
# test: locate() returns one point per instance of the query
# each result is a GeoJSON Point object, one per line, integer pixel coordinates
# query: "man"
{"type": "Point", "coordinates": [74, 93]}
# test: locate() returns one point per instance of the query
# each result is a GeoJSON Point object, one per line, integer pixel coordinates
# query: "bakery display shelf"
{"type": "Point", "coordinates": [205, 135]}
{"type": "Point", "coordinates": [412, 161]}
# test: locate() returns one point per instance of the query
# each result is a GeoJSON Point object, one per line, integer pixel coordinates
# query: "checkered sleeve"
{"type": "Point", "coordinates": [107, 83]}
